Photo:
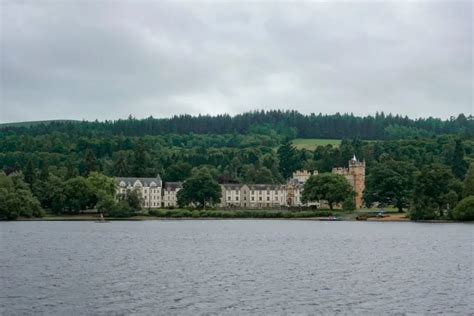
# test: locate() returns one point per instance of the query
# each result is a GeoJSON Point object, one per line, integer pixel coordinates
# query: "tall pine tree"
{"type": "Point", "coordinates": [289, 159]}
{"type": "Point", "coordinates": [458, 164]}
{"type": "Point", "coordinates": [121, 167]}
{"type": "Point", "coordinates": [90, 162]}
{"type": "Point", "coordinates": [29, 173]}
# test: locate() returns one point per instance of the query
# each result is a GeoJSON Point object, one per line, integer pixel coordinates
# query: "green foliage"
{"type": "Point", "coordinates": [29, 174]}
{"type": "Point", "coordinates": [459, 165]}
{"type": "Point", "coordinates": [288, 123]}
{"type": "Point", "coordinates": [405, 132]}
{"type": "Point", "coordinates": [120, 168]}
{"type": "Point", "coordinates": [79, 194]}
{"type": "Point", "coordinates": [101, 184]}
{"type": "Point", "coordinates": [120, 209]}
{"type": "Point", "coordinates": [431, 190]}
{"type": "Point", "coordinates": [333, 188]}
{"type": "Point", "coordinates": [236, 149]}
{"type": "Point", "coordinates": [348, 204]}
{"type": "Point", "coordinates": [16, 198]}
{"type": "Point", "coordinates": [90, 162]}
{"type": "Point", "coordinates": [200, 190]}
{"type": "Point", "coordinates": [134, 200]}
{"type": "Point", "coordinates": [106, 204]}
{"type": "Point", "coordinates": [178, 171]}
{"type": "Point", "coordinates": [288, 158]}
{"type": "Point", "coordinates": [390, 182]}
{"type": "Point", "coordinates": [469, 181]}
{"type": "Point", "coordinates": [464, 211]}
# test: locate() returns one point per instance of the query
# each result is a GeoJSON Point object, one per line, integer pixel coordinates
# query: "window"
{"type": "Point", "coordinates": [253, 198]}
{"type": "Point", "coordinates": [268, 198]}
{"type": "Point", "coordinates": [260, 198]}
{"type": "Point", "coordinates": [228, 198]}
{"type": "Point", "coordinates": [236, 198]}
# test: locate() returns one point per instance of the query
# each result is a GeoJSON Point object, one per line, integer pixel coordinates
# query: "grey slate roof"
{"type": "Point", "coordinates": [265, 186]}
{"type": "Point", "coordinates": [129, 181]}
{"type": "Point", "coordinates": [172, 186]}
{"type": "Point", "coordinates": [232, 186]}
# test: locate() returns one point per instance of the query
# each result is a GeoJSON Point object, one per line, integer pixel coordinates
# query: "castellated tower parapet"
{"type": "Point", "coordinates": [355, 175]}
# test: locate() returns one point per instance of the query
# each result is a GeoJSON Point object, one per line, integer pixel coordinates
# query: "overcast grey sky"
{"type": "Point", "coordinates": [109, 59]}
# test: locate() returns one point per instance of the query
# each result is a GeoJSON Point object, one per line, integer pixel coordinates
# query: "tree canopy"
{"type": "Point", "coordinates": [200, 190]}
{"type": "Point", "coordinates": [390, 182]}
{"type": "Point", "coordinates": [333, 188]}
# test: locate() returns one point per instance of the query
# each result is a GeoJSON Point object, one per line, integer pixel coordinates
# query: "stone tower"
{"type": "Point", "coordinates": [355, 175]}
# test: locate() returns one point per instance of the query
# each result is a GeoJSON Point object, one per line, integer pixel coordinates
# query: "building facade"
{"type": "Point", "coordinates": [170, 193]}
{"type": "Point", "coordinates": [149, 189]}
{"type": "Point", "coordinates": [155, 194]}
{"type": "Point", "coordinates": [253, 195]}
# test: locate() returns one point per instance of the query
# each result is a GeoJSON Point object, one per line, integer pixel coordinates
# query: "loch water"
{"type": "Point", "coordinates": [228, 267]}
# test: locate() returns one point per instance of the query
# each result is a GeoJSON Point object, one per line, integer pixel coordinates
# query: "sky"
{"type": "Point", "coordinates": [110, 59]}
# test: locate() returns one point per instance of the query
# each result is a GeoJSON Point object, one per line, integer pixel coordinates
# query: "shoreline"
{"type": "Point", "coordinates": [92, 218]}
{"type": "Point", "coordinates": [337, 217]}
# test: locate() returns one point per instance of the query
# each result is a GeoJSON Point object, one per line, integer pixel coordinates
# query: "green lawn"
{"type": "Point", "coordinates": [312, 143]}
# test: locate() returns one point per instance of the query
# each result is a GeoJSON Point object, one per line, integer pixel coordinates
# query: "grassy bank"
{"type": "Point", "coordinates": [320, 214]}
{"type": "Point", "coordinates": [238, 214]}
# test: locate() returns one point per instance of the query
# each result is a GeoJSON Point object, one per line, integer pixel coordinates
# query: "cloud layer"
{"type": "Point", "coordinates": [106, 60]}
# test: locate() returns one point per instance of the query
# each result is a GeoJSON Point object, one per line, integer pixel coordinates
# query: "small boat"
{"type": "Point", "coordinates": [329, 219]}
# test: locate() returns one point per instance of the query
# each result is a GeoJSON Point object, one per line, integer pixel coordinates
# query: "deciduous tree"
{"type": "Point", "coordinates": [333, 188]}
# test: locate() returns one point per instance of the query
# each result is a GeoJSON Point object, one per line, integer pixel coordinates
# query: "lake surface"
{"type": "Point", "coordinates": [235, 267]}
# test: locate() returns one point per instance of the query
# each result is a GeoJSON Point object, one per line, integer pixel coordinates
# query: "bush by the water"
{"type": "Point", "coordinates": [348, 204]}
{"type": "Point", "coordinates": [464, 211]}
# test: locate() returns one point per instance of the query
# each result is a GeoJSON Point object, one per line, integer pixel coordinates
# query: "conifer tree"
{"type": "Point", "coordinates": [458, 164]}
{"type": "Point", "coordinates": [29, 173]}
{"type": "Point", "coordinates": [90, 162]}
{"type": "Point", "coordinates": [289, 159]}
{"type": "Point", "coordinates": [469, 182]}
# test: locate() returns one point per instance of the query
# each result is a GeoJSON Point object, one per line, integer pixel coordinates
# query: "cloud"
{"type": "Point", "coordinates": [106, 60]}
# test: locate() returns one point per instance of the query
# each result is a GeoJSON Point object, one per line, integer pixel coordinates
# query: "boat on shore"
{"type": "Point", "coordinates": [329, 219]}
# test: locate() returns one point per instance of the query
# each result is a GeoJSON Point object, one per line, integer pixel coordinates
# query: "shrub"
{"type": "Point", "coordinates": [120, 213]}
{"type": "Point", "coordinates": [348, 204]}
{"type": "Point", "coordinates": [464, 211]}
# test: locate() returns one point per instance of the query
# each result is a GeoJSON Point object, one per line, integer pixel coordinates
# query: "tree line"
{"type": "Point", "coordinates": [289, 123]}
{"type": "Point", "coordinates": [405, 173]}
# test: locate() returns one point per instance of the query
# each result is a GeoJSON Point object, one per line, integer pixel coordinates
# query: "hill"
{"type": "Point", "coordinates": [35, 123]}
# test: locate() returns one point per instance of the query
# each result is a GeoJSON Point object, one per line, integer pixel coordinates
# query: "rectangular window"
{"type": "Point", "coordinates": [268, 198]}
{"type": "Point", "coordinates": [260, 198]}
{"type": "Point", "coordinates": [228, 198]}
{"type": "Point", "coordinates": [236, 198]}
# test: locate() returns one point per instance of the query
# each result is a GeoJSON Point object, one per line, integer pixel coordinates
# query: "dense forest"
{"type": "Point", "coordinates": [291, 123]}
{"type": "Point", "coordinates": [254, 147]}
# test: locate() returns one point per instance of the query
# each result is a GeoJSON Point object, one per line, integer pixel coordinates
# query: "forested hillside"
{"type": "Point", "coordinates": [290, 123]}
{"type": "Point", "coordinates": [56, 159]}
